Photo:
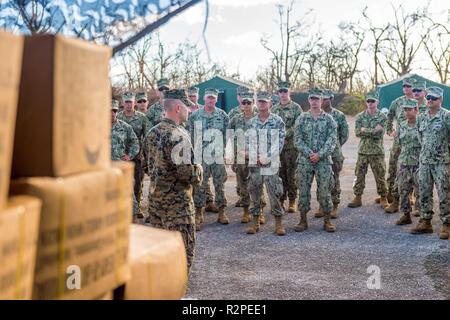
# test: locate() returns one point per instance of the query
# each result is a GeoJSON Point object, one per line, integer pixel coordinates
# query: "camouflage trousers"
{"type": "Point", "coordinates": [288, 159]}
{"type": "Point", "coordinates": [378, 166]}
{"type": "Point", "coordinates": [274, 188]}
{"type": "Point", "coordinates": [306, 174]}
{"type": "Point", "coordinates": [219, 176]}
{"type": "Point", "coordinates": [242, 180]}
{"type": "Point", "coordinates": [430, 175]}
{"type": "Point", "coordinates": [138, 179]}
{"type": "Point", "coordinates": [393, 168]}
{"type": "Point", "coordinates": [209, 195]}
{"type": "Point", "coordinates": [407, 183]}
{"type": "Point", "coordinates": [335, 186]}
{"type": "Point", "coordinates": [187, 232]}
{"type": "Point", "coordinates": [135, 206]}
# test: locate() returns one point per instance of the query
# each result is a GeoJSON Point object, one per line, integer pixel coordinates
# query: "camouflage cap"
{"type": "Point", "coordinates": [163, 83]}
{"type": "Point", "coordinates": [263, 96]}
{"type": "Point", "coordinates": [409, 81]}
{"type": "Point", "coordinates": [315, 92]}
{"type": "Point", "coordinates": [435, 92]}
{"type": "Point", "coordinates": [284, 85]}
{"type": "Point", "coordinates": [179, 94]}
{"type": "Point", "coordinates": [192, 91]}
{"type": "Point", "coordinates": [420, 84]}
{"type": "Point", "coordinates": [327, 94]}
{"type": "Point", "coordinates": [114, 104]}
{"type": "Point", "coordinates": [372, 95]}
{"type": "Point", "coordinates": [250, 95]}
{"type": "Point", "coordinates": [211, 92]}
{"type": "Point", "coordinates": [141, 95]}
{"type": "Point", "coordinates": [241, 89]}
{"type": "Point", "coordinates": [128, 96]}
{"type": "Point", "coordinates": [409, 104]}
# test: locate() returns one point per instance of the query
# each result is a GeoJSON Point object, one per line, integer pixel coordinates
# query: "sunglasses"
{"type": "Point", "coordinates": [314, 98]}
{"type": "Point", "coordinates": [163, 89]}
{"type": "Point", "coordinates": [417, 90]}
{"type": "Point", "coordinates": [247, 103]}
{"type": "Point", "coordinates": [129, 101]}
{"type": "Point", "coordinates": [115, 111]}
{"type": "Point", "coordinates": [370, 101]}
{"type": "Point", "coordinates": [432, 98]}
{"type": "Point", "coordinates": [283, 91]}
{"type": "Point", "coordinates": [407, 86]}
{"type": "Point", "coordinates": [142, 101]}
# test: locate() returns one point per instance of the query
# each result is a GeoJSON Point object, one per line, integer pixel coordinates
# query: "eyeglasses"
{"type": "Point", "coordinates": [370, 101]}
{"type": "Point", "coordinates": [407, 86]}
{"type": "Point", "coordinates": [142, 101]}
{"type": "Point", "coordinates": [417, 90]}
{"type": "Point", "coordinates": [247, 103]}
{"type": "Point", "coordinates": [283, 91]}
{"type": "Point", "coordinates": [432, 98]}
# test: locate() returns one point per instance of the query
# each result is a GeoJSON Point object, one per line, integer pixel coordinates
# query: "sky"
{"type": "Point", "coordinates": [236, 26]}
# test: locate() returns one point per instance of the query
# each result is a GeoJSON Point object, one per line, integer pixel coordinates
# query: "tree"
{"type": "Point", "coordinates": [437, 47]}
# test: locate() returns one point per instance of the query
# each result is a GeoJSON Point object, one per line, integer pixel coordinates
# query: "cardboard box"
{"type": "Point", "coordinates": [10, 63]}
{"type": "Point", "coordinates": [158, 265]}
{"type": "Point", "coordinates": [63, 117]}
{"type": "Point", "coordinates": [19, 225]}
{"type": "Point", "coordinates": [83, 234]}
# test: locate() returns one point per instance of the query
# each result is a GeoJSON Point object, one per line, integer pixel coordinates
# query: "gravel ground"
{"type": "Point", "coordinates": [230, 264]}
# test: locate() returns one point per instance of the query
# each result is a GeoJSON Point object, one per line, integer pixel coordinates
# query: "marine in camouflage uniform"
{"type": "Point", "coordinates": [210, 117]}
{"type": "Point", "coordinates": [156, 111]}
{"type": "Point", "coordinates": [315, 136]}
{"type": "Point", "coordinates": [395, 113]}
{"type": "Point", "coordinates": [337, 157]}
{"type": "Point", "coordinates": [124, 144]}
{"type": "Point", "coordinates": [263, 162]}
{"type": "Point", "coordinates": [434, 167]}
{"type": "Point", "coordinates": [370, 129]}
{"type": "Point", "coordinates": [170, 197]}
{"type": "Point", "coordinates": [408, 136]}
{"type": "Point", "coordinates": [140, 126]}
{"type": "Point", "coordinates": [289, 111]}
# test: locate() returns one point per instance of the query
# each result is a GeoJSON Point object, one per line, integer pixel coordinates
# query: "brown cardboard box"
{"type": "Point", "coordinates": [84, 224]}
{"type": "Point", "coordinates": [10, 63]}
{"type": "Point", "coordinates": [158, 265]}
{"type": "Point", "coordinates": [19, 225]}
{"type": "Point", "coordinates": [63, 117]}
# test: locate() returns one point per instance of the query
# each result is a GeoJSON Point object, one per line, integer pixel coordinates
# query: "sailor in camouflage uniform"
{"type": "Point", "coordinates": [315, 136]}
{"type": "Point", "coordinates": [337, 157]}
{"type": "Point", "coordinates": [369, 127]}
{"type": "Point", "coordinates": [172, 173]}
{"type": "Point", "coordinates": [264, 142]}
{"type": "Point", "coordinates": [208, 131]}
{"type": "Point", "coordinates": [409, 142]}
{"type": "Point", "coordinates": [139, 123]}
{"type": "Point", "coordinates": [395, 113]}
{"type": "Point", "coordinates": [156, 111]}
{"type": "Point", "coordinates": [434, 167]}
{"type": "Point", "coordinates": [142, 102]}
{"type": "Point", "coordinates": [124, 144]}
{"type": "Point", "coordinates": [289, 111]}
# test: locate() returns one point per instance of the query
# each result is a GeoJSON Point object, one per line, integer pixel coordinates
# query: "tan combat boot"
{"type": "Point", "coordinates": [198, 218]}
{"type": "Point", "coordinates": [423, 226]}
{"type": "Point", "coordinates": [222, 219]}
{"type": "Point", "coordinates": [279, 230]}
{"type": "Point", "coordinates": [303, 225]}
{"type": "Point", "coordinates": [262, 218]}
{"type": "Point", "coordinates": [246, 218]}
{"type": "Point", "coordinates": [356, 202]}
{"type": "Point", "coordinates": [211, 207]}
{"type": "Point", "coordinates": [327, 225]}
{"type": "Point", "coordinates": [377, 200]}
{"type": "Point", "coordinates": [291, 208]}
{"type": "Point", "coordinates": [393, 207]}
{"type": "Point", "coordinates": [334, 212]}
{"type": "Point", "coordinates": [445, 231]}
{"type": "Point", "coordinates": [404, 219]}
{"type": "Point", "coordinates": [390, 198]}
{"type": "Point", "coordinates": [416, 210]}
{"type": "Point", "coordinates": [255, 228]}
{"type": "Point", "coordinates": [319, 213]}
{"type": "Point", "coordinates": [384, 202]}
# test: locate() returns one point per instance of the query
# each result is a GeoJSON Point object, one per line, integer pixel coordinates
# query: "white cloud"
{"type": "Point", "coordinates": [250, 38]}
{"type": "Point", "coordinates": [242, 3]}
{"type": "Point", "coordinates": [196, 15]}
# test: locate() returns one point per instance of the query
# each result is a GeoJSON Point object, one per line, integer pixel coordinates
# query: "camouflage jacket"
{"type": "Point", "coordinates": [155, 114]}
{"type": "Point", "coordinates": [434, 133]}
{"type": "Point", "coordinates": [289, 113]}
{"type": "Point", "coordinates": [217, 119]}
{"type": "Point", "coordinates": [409, 144]}
{"type": "Point", "coordinates": [273, 126]}
{"type": "Point", "coordinates": [138, 122]}
{"type": "Point", "coordinates": [315, 136]}
{"type": "Point", "coordinates": [123, 141]}
{"type": "Point", "coordinates": [396, 113]}
{"type": "Point", "coordinates": [237, 123]}
{"type": "Point", "coordinates": [371, 141]}
{"type": "Point", "coordinates": [342, 132]}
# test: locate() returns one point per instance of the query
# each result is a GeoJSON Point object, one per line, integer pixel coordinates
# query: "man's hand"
{"type": "Point", "coordinates": [363, 129]}
{"type": "Point", "coordinates": [394, 134]}
{"type": "Point", "coordinates": [263, 160]}
{"type": "Point", "coordinates": [314, 157]}
{"type": "Point", "coordinates": [125, 157]}
{"type": "Point", "coordinates": [379, 127]}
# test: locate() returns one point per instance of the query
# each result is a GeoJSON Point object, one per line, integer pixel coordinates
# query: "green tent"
{"type": "Point", "coordinates": [390, 91]}
{"type": "Point", "coordinates": [227, 91]}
